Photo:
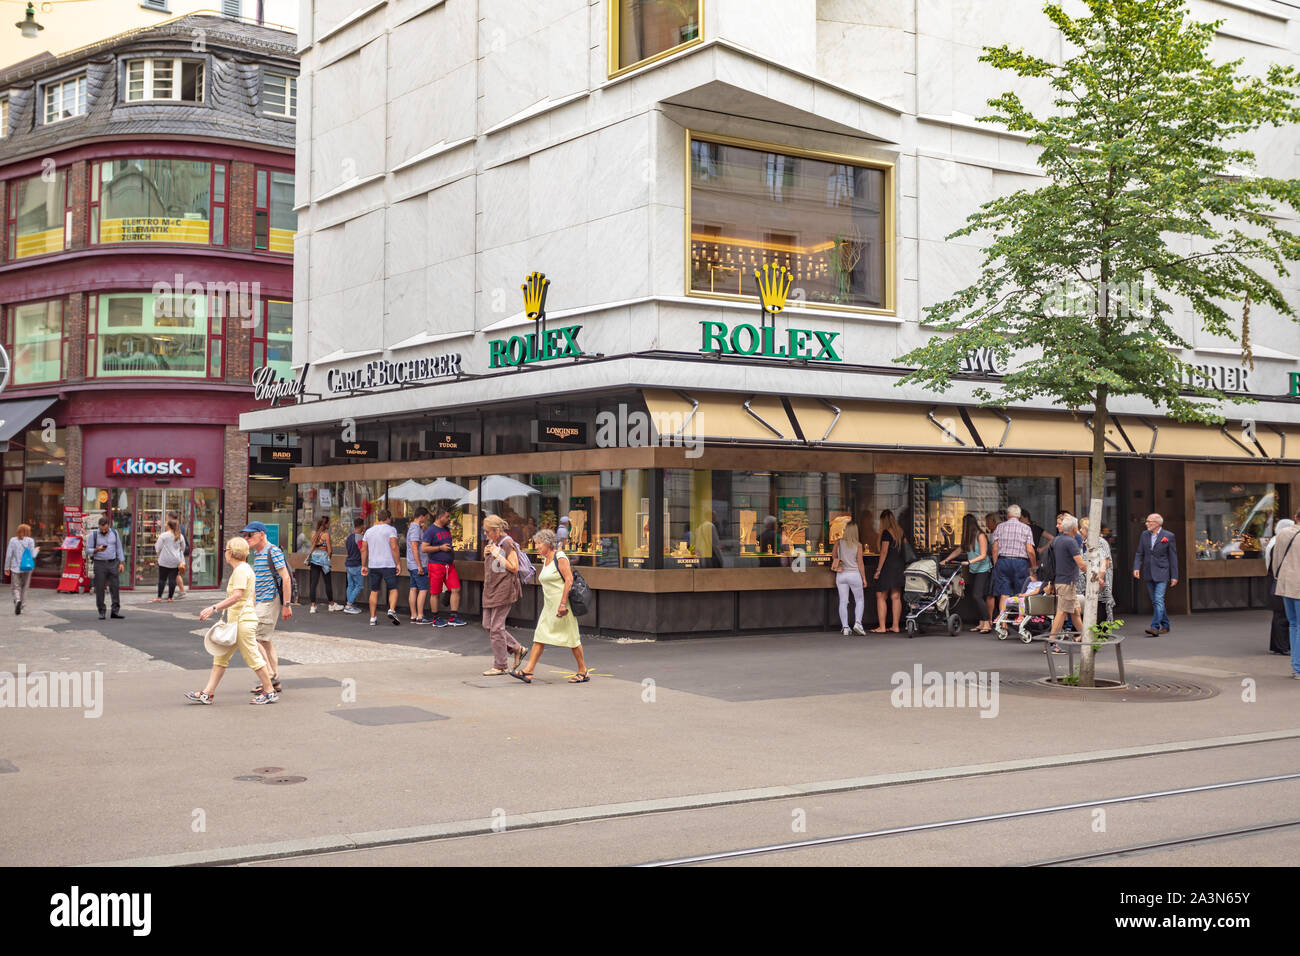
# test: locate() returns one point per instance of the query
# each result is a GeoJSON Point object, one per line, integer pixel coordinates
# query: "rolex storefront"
{"type": "Point", "coordinates": [703, 485]}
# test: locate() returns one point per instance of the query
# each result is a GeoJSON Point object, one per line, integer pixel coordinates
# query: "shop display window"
{"type": "Point", "coordinates": [405, 497]}
{"type": "Point", "coordinates": [153, 335]}
{"type": "Point", "coordinates": [272, 338]}
{"type": "Point", "coordinates": [644, 30]}
{"type": "Point", "coordinates": [151, 200]}
{"type": "Point", "coordinates": [1234, 519]}
{"type": "Point", "coordinates": [36, 335]}
{"type": "Point", "coordinates": [823, 219]}
{"type": "Point", "coordinates": [270, 501]}
{"type": "Point", "coordinates": [533, 502]}
{"type": "Point", "coordinates": [44, 470]}
{"type": "Point", "coordinates": [274, 221]}
{"type": "Point", "coordinates": [342, 502]}
{"type": "Point", "coordinates": [38, 214]}
{"type": "Point", "coordinates": [946, 501]}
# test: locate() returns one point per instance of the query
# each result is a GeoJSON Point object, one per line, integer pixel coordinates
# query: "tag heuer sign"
{"type": "Point", "coordinates": [359, 450]}
{"type": "Point", "coordinates": [170, 467]}
{"type": "Point", "coordinates": [559, 433]}
{"type": "Point", "coordinates": [446, 441]}
{"type": "Point", "coordinates": [268, 455]}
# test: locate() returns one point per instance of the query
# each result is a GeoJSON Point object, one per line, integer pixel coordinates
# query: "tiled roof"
{"type": "Point", "coordinates": [235, 54]}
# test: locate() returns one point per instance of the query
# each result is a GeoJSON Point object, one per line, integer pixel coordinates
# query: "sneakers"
{"type": "Point", "coordinates": [455, 621]}
{"type": "Point", "coordinates": [392, 616]}
{"type": "Point", "coordinates": [198, 697]}
{"type": "Point", "coordinates": [313, 609]}
{"type": "Point", "coordinates": [351, 609]}
{"type": "Point", "coordinates": [859, 629]}
{"type": "Point", "coordinates": [373, 621]}
{"type": "Point", "coordinates": [18, 607]}
{"type": "Point", "coordinates": [335, 607]}
{"type": "Point", "coordinates": [845, 631]}
{"type": "Point", "coordinates": [421, 620]}
{"type": "Point", "coordinates": [270, 698]}
{"type": "Point", "coordinates": [439, 622]}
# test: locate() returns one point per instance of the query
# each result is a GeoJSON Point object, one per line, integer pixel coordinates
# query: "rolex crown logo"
{"type": "Point", "coordinates": [534, 288]}
{"type": "Point", "coordinates": [773, 286]}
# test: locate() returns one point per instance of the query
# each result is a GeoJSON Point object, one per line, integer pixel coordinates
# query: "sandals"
{"type": "Point", "coordinates": [275, 685]}
{"type": "Point", "coordinates": [582, 678]}
{"type": "Point", "coordinates": [519, 657]}
{"type": "Point", "coordinates": [494, 673]}
{"type": "Point", "coordinates": [524, 676]}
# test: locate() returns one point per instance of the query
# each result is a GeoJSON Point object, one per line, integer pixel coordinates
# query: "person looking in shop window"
{"type": "Point", "coordinates": [889, 573]}
{"type": "Point", "coordinates": [352, 565]}
{"type": "Point", "coordinates": [379, 554]}
{"type": "Point", "coordinates": [417, 566]}
{"type": "Point", "coordinates": [850, 578]}
{"type": "Point", "coordinates": [976, 552]}
{"type": "Point", "coordinates": [442, 569]}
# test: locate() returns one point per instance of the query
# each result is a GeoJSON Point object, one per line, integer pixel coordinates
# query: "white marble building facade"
{"type": "Point", "coordinates": [449, 147]}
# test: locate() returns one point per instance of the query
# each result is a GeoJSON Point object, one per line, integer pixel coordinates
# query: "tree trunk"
{"type": "Point", "coordinates": [1087, 661]}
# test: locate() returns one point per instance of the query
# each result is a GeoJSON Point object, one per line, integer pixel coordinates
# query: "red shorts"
{"type": "Point", "coordinates": [438, 573]}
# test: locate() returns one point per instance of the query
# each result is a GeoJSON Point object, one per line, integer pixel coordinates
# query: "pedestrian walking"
{"type": "Point", "coordinates": [320, 563]}
{"type": "Point", "coordinates": [379, 554]}
{"type": "Point", "coordinates": [850, 577]}
{"type": "Point", "coordinates": [555, 625]}
{"type": "Point", "coordinates": [501, 589]}
{"type": "Point", "coordinates": [272, 597]}
{"type": "Point", "coordinates": [352, 565]}
{"type": "Point", "coordinates": [889, 573]}
{"type": "Point", "coordinates": [1013, 551]}
{"type": "Point", "coordinates": [20, 562]}
{"type": "Point", "coordinates": [1285, 566]}
{"type": "Point", "coordinates": [104, 547]}
{"type": "Point", "coordinates": [170, 556]}
{"type": "Point", "coordinates": [241, 611]}
{"type": "Point", "coordinates": [442, 569]}
{"type": "Point", "coordinates": [976, 552]}
{"type": "Point", "coordinates": [1279, 637]}
{"type": "Point", "coordinates": [417, 566]}
{"type": "Point", "coordinates": [1068, 561]}
{"type": "Point", "coordinates": [1156, 562]}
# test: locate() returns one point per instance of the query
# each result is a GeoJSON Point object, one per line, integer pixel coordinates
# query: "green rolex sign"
{"type": "Point", "coordinates": [1295, 384]}
{"type": "Point", "coordinates": [817, 345]}
{"type": "Point", "coordinates": [535, 347]}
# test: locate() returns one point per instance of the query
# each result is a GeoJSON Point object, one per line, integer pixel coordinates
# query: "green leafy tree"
{"type": "Point", "coordinates": [1149, 198]}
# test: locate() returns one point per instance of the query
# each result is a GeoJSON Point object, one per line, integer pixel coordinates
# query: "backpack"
{"type": "Point", "coordinates": [279, 584]}
{"type": "Point", "coordinates": [27, 562]}
{"type": "Point", "coordinates": [1047, 564]}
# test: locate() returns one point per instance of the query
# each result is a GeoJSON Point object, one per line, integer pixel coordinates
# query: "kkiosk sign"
{"type": "Point", "coordinates": [157, 467]}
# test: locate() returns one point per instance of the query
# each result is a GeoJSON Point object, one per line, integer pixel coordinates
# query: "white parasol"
{"type": "Point", "coordinates": [497, 488]}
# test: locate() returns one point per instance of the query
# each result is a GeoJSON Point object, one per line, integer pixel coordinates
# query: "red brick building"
{"type": "Point", "coordinates": [146, 266]}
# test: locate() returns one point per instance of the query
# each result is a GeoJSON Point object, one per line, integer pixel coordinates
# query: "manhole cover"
{"type": "Point", "coordinates": [267, 770]}
{"type": "Point", "coordinates": [249, 778]}
{"type": "Point", "coordinates": [284, 779]}
{"type": "Point", "coordinates": [1138, 690]}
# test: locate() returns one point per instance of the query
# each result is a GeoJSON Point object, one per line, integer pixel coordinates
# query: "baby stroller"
{"type": "Point", "coordinates": [931, 594]}
{"type": "Point", "coordinates": [1038, 612]}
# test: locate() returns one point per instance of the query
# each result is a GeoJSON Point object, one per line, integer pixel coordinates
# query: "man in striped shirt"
{"type": "Point", "coordinates": [1013, 549]}
{"type": "Point", "coordinates": [268, 564]}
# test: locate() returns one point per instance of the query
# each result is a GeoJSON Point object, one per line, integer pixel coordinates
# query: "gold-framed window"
{"type": "Point", "coordinates": [827, 217]}
{"type": "Point", "coordinates": [643, 31]}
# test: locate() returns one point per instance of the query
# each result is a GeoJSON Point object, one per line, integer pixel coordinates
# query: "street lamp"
{"type": "Point", "coordinates": [28, 24]}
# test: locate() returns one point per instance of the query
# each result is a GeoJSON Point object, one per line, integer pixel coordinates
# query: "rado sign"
{"type": "Point", "coordinates": [268, 386]}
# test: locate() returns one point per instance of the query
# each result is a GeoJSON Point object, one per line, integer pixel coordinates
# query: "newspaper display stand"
{"type": "Point", "coordinates": [73, 579]}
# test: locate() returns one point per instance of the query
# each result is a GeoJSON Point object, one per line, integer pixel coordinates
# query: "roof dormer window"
{"type": "Point", "coordinates": [178, 80]}
{"type": "Point", "coordinates": [65, 99]}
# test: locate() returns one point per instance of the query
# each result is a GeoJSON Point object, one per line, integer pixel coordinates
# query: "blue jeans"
{"type": "Point", "coordinates": [1159, 619]}
{"type": "Point", "coordinates": [1292, 606]}
{"type": "Point", "coordinates": [354, 584]}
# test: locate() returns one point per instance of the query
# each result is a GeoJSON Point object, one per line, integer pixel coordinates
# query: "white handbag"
{"type": "Point", "coordinates": [224, 633]}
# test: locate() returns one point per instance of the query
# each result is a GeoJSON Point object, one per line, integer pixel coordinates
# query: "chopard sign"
{"type": "Point", "coordinates": [268, 386]}
{"type": "Point", "coordinates": [381, 374]}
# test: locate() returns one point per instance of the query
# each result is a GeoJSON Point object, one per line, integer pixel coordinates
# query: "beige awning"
{"type": "Point", "coordinates": [886, 424]}
{"type": "Point", "coordinates": [719, 415]}
{"type": "Point", "coordinates": [1060, 433]}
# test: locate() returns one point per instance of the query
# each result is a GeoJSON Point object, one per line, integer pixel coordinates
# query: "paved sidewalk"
{"type": "Point", "coordinates": [660, 720]}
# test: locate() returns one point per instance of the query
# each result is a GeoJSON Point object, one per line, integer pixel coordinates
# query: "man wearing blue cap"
{"type": "Point", "coordinates": [273, 585]}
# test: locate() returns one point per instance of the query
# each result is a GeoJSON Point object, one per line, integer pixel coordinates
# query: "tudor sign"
{"type": "Point", "coordinates": [158, 467]}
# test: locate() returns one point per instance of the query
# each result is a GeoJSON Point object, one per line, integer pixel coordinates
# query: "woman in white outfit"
{"type": "Point", "coordinates": [20, 543]}
{"type": "Point", "coordinates": [849, 577]}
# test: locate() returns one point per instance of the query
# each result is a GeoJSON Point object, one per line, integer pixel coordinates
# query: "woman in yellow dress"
{"type": "Point", "coordinates": [240, 609]}
{"type": "Point", "coordinates": [556, 625]}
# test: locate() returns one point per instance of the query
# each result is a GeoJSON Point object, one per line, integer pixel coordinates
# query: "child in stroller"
{"type": "Point", "coordinates": [1032, 612]}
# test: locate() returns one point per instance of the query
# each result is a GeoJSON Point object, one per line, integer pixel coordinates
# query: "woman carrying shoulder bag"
{"type": "Point", "coordinates": [20, 562]}
{"type": "Point", "coordinates": [850, 577]}
{"type": "Point", "coordinates": [501, 589]}
{"type": "Point", "coordinates": [241, 611]}
{"type": "Point", "coordinates": [556, 625]}
{"type": "Point", "coordinates": [320, 564]}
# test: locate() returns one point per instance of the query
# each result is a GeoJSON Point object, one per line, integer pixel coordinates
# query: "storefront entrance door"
{"type": "Point", "coordinates": [153, 505]}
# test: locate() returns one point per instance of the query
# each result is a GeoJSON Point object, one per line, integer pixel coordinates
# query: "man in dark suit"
{"type": "Point", "coordinates": [1157, 561]}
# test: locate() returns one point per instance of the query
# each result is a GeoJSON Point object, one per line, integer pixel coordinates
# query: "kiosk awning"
{"type": "Point", "coordinates": [18, 414]}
